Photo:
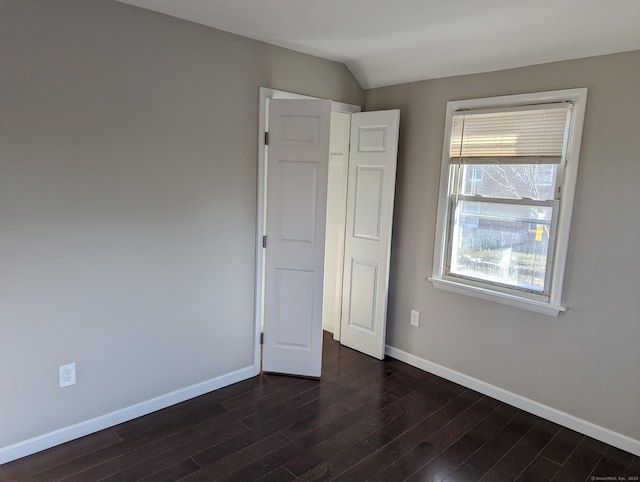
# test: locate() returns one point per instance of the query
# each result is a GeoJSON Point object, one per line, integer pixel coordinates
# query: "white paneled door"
{"type": "Point", "coordinates": [295, 225]}
{"type": "Point", "coordinates": [370, 197]}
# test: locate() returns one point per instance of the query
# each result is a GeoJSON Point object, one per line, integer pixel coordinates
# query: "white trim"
{"type": "Point", "coordinates": [508, 299]}
{"type": "Point", "coordinates": [63, 435]}
{"type": "Point", "coordinates": [328, 326]}
{"type": "Point", "coordinates": [549, 413]}
{"type": "Point", "coordinates": [568, 185]}
{"type": "Point", "coordinates": [264, 94]}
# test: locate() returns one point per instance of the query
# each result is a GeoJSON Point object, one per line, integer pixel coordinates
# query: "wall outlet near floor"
{"type": "Point", "coordinates": [67, 375]}
{"type": "Point", "coordinates": [415, 318]}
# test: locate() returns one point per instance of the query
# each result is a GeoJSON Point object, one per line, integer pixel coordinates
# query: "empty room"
{"type": "Point", "coordinates": [317, 240]}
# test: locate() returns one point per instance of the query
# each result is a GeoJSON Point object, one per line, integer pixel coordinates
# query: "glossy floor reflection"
{"type": "Point", "coordinates": [364, 420]}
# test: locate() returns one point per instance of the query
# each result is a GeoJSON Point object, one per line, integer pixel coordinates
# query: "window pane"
{"type": "Point", "coordinates": [501, 243]}
{"type": "Point", "coordinates": [509, 181]}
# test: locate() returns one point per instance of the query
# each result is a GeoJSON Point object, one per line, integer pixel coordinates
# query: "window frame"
{"type": "Point", "coordinates": [550, 304]}
{"type": "Point", "coordinates": [475, 178]}
{"type": "Point", "coordinates": [545, 182]}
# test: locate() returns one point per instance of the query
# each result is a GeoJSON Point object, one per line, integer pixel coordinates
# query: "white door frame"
{"type": "Point", "coordinates": [264, 94]}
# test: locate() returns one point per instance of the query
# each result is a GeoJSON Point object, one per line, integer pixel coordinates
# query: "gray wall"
{"type": "Point", "coordinates": [128, 167]}
{"type": "Point", "coordinates": [587, 361]}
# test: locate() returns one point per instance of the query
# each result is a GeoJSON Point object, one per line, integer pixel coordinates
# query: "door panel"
{"type": "Point", "coordinates": [364, 290]}
{"type": "Point", "coordinates": [298, 209]}
{"type": "Point", "coordinates": [294, 302]}
{"type": "Point", "coordinates": [370, 198]}
{"type": "Point", "coordinates": [296, 225]}
{"type": "Point", "coordinates": [367, 216]}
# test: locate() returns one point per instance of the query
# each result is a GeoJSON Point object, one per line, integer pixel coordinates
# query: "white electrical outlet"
{"type": "Point", "coordinates": [67, 375]}
{"type": "Point", "coordinates": [415, 318]}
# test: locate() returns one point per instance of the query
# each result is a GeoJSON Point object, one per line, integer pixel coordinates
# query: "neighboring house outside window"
{"type": "Point", "coordinates": [508, 176]}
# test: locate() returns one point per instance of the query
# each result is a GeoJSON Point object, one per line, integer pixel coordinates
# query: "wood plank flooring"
{"type": "Point", "coordinates": [364, 420]}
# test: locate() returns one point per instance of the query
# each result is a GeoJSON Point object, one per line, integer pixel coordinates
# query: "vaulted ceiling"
{"type": "Point", "coordinates": [386, 42]}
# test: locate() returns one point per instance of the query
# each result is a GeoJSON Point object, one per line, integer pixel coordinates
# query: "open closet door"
{"type": "Point", "coordinates": [297, 171]}
{"type": "Point", "coordinates": [370, 196]}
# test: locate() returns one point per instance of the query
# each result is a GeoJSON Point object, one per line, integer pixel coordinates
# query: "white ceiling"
{"type": "Point", "coordinates": [385, 42]}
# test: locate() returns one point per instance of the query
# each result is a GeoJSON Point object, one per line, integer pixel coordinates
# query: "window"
{"type": "Point", "coordinates": [544, 174]}
{"type": "Point", "coordinates": [508, 177]}
{"type": "Point", "coordinates": [475, 174]}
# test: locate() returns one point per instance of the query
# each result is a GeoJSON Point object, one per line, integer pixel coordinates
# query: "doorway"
{"type": "Point", "coordinates": [371, 182]}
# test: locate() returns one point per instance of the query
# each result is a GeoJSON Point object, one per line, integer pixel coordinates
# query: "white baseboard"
{"type": "Point", "coordinates": [57, 437]}
{"type": "Point", "coordinates": [327, 326]}
{"type": "Point", "coordinates": [561, 418]}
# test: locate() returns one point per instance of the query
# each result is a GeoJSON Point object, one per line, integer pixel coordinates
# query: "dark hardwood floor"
{"type": "Point", "coordinates": [364, 420]}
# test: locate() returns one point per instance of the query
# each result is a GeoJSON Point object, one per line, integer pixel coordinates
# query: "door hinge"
{"type": "Point", "coordinates": [262, 338]}
{"type": "Point", "coordinates": [264, 241]}
{"type": "Point", "coordinates": [266, 138]}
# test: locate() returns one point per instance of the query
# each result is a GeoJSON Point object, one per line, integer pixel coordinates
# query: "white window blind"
{"type": "Point", "coordinates": [533, 134]}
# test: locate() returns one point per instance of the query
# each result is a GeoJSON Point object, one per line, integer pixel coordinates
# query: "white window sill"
{"type": "Point", "coordinates": [536, 306]}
